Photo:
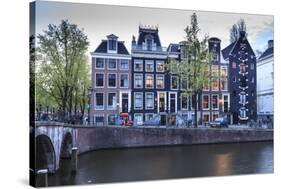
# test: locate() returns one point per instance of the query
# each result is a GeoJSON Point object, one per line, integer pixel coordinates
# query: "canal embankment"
{"type": "Point", "coordinates": [94, 138]}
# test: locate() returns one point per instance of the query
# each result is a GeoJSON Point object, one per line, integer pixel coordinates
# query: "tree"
{"type": "Point", "coordinates": [63, 71]}
{"type": "Point", "coordinates": [192, 70]}
{"type": "Point", "coordinates": [236, 29]}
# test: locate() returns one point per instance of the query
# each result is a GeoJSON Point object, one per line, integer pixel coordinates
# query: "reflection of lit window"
{"type": "Point", "coordinates": [149, 104]}
{"type": "Point", "coordinates": [205, 101]}
{"type": "Point", "coordinates": [215, 84]}
{"type": "Point", "coordinates": [160, 81]}
{"type": "Point", "coordinates": [148, 81]}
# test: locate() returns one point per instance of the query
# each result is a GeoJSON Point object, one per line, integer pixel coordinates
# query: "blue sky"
{"type": "Point", "coordinates": [98, 21]}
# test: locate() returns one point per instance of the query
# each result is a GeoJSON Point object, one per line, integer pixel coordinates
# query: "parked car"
{"type": "Point", "coordinates": [219, 123]}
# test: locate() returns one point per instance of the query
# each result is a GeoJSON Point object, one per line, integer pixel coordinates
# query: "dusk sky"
{"type": "Point", "coordinates": [99, 21]}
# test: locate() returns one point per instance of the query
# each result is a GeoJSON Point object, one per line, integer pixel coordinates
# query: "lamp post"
{"type": "Point", "coordinates": [90, 90]}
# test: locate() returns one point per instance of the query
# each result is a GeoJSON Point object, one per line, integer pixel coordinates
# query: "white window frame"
{"type": "Point", "coordinates": [138, 108]}
{"type": "Point", "coordinates": [96, 80]}
{"type": "Point", "coordinates": [116, 43]}
{"type": "Point", "coordinates": [217, 102]}
{"type": "Point", "coordinates": [146, 75]}
{"type": "Point", "coordinates": [120, 63]}
{"type": "Point", "coordinates": [147, 114]}
{"type": "Point", "coordinates": [138, 114]}
{"type": "Point", "coordinates": [114, 106]}
{"type": "Point", "coordinates": [149, 62]}
{"type": "Point", "coordinates": [206, 113]}
{"type": "Point", "coordinates": [186, 102]}
{"type": "Point", "coordinates": [96, 63]}
{"type": "Point", "coordinates": [226, 71]}
{"type": "Point", "coordinates": [158, 100]}
{"type": "Point", "coordinates": [218, 84]}
{"type": "Point", "coordinates": [120, 80]}
{"type": "Point", "coordinates": [108, 64]}
{"type": "Point", "coordinates": [147, 108]}
{"type": "Point", "coordinates": [171, 84]}
{"type": "Point", "coordinates": [176, 101]}
{"type": "Point", "coordinates": [157, 75]}
{"type": "Point", "coordinates": [228, 101]}
{"type": "Point", "coordinates": [115, 80]}
{"type": "Point", "coordinates": [98, 115]}
{"type": "Point", "coordinates": [101, 107]}
{"type": "Point", "coordinates": [226, 84]}
{"type": "Point", "coordinates": [214, 113]}
{"type": "Point", "coordinates": [138, 61]}
{"type": "Point", "coordinates": [208, 101]}
{"type": "Point", "coordinates": [160, 62]}
{"type": "Point", "coordinates": [141, 80]}
{"type": "Point", "coordinates": [213, 67]}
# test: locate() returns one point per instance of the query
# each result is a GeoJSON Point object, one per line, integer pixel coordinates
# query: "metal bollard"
{"type": "Point", "coordinates": [42, 178]}
{"type": "Point", "coordinates": [74, 159]}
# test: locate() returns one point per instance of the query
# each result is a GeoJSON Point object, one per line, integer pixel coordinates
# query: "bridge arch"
{"type": "Point", "coordinates": [45, 153]}
{"type": "Point", "coordinates": [66, 146]}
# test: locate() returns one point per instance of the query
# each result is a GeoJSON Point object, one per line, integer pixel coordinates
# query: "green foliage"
{"type": "Point", "coordinates": [193, 69]}
{"type": "Point", "coordinates": [62, 74]}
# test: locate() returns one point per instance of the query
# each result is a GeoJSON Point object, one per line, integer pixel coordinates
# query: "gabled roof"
{"type": "Point", "coordinates": [173, 47]}
{"type": "Point", "coordinates": [112, 36]}
{"type": "Point", "coordinates": [267, 52]}
{"type": "Point", "coordinates": [143, 32]}
{"type": "Point", "coordinates": [121, 49]}
{"type": "Point", "coordinates": [230, 48]}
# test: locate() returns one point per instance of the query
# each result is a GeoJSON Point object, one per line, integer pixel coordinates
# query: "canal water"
{"type": "Point", "coordinates": [135, 164]}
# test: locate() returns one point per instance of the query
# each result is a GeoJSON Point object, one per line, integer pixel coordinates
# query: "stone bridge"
{"type": "Point", "coordinates": [54, 141]}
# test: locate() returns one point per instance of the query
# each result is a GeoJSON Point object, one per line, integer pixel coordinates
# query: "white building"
{"type": "Point", "coordinates": [265, 87]}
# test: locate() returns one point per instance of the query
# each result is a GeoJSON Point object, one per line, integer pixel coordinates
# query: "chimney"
{"type": "Point", "coordinates": [133, 42]}
{"type": "Point", "coordinates": [270, 43]}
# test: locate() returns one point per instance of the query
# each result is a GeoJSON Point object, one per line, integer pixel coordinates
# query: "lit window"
{"type": "Point", "coordinates": [138, 80]}
{"type": "Point", "coordinates": [138, 65]}
{"type": "Point", "coordinates": [215, 115]}
{"type": "Point", "coordinates": [206, 117]}
{"type": "Point", "coordinates": [215, 84]}
{"type": "Point", "coordinates": [112, 64]}
{"type": "Point", "coordinates": [99, 80]}
{"type": "Point", "coordinates": [242, 67]}
{"type": "Point", "coordinates": [124, 81]}
{"type": "Point", "coordinates": [99, 63]}
{"type": "Point", "coordinates": [99, 101]}
{"type": "Point", "coordinates": [111, 102]}
{"type": "Point", "coordinates": [148, 81]}
{"type": "Point", "coordinates": [138, 100]}
{"type": "Point", "coordinates": [124, 64]}
{"type": "Point", "coordinates": [149, 104]}
{"type": "Point", "coordinates": [223, 71]}
{"type": "Point", "coordinates": [215, 70]}
{"type": "Point", "coordinates": [205, 101]}
{"type": "Point", "coordinates": [111, 80]}
{"type": "Point", "coordinates": [160, 81]}
{"type": "Point", "coordinates": [159, 66]}
{"type": "Point", "coordinates": [223, 84]}
{"type": "Point", "coordinates": [149, 66]}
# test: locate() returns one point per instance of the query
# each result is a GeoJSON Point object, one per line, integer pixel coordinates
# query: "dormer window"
{"type": "Point", "coordinates": [112, 45]}
{"type": "Point", "coordinates": [148, 43]}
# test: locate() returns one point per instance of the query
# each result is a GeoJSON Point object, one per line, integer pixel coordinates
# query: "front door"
{"type": "Point", "coordinates": [125, 103]}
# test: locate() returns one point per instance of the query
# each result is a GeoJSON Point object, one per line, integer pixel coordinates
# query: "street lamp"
{"type": "Point", "coordinates": [90, 90]}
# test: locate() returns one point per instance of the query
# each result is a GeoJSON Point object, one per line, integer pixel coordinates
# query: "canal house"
{"type": "Point", "coordinates": [242, 79]}
{"type": "Point", "coordinates": [111, 78]}
{"type": "Point", "coordinates": [152, 93]}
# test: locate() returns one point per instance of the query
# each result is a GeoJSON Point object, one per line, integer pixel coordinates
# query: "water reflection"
{"type": "Point", "coordinates": [167, 162]}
